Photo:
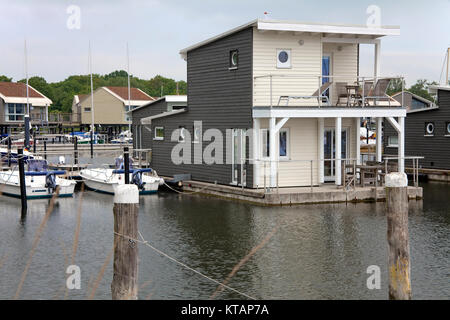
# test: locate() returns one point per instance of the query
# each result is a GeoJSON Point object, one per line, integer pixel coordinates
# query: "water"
{"type": "Point", "coordinates": [317, 252]}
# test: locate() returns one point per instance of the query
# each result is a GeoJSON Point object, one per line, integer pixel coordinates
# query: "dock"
{"type": "Point", "coordinates": [327, 193]}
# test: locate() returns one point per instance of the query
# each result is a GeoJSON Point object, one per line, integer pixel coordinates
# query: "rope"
{"type": "Point", "coordinates": [145, 242]}
{"type": "Point", "coordinates": [183, 192]}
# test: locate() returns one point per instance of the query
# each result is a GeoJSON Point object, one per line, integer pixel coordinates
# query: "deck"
{"type": "Point", "coordinates": [326, 193]}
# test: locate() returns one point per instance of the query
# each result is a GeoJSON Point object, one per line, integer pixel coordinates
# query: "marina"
{"type": "Point", "coordinates": [319, 251]}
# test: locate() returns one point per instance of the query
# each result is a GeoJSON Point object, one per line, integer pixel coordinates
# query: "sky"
{"type": "Point", "coordinates": [157, 30]}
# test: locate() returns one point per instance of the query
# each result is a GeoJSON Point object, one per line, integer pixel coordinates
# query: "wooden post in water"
{"type": "Point", "coordinates": [126, 164]}
{"type": "Point", "coordinates": [23, 189]}
{"type": "Point", "coordinates": [92, 145]}
{"type": "Point", "coordinates": [124, 285]}
{"type": "Point", "coordinates": [397, 236]}
{"type": "Point", "coordinates": [45, 149]}
{"type": "Point", "coordinates": [75, 150]}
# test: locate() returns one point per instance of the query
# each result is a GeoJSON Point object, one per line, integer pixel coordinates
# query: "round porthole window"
{"type": "Point", "coordinates": [430, 128]}
{"type": "Point", "coordinates": [448, 128]}
{"type": "Point", "coordinates": [283, 56]}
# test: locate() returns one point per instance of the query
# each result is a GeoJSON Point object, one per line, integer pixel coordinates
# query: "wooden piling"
{"type": "Point", "coordinates": [125, 274]}
{"type": "Point", "coordinates": [23, 189]}
{"type": "Point", "coordinates": [9, 151]}
{"type": "Point", "coordinates": [398, 237]}
{"type": "Point", "coordinates": [126, 164]}
{"type": "Point", "coordinates": [45, 149]}
{"type": "Point", "coordinates": [75, 150]}
{"type": "Point", "coordinates": [92, 145]}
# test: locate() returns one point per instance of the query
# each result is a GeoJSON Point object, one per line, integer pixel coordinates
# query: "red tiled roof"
{"type": "Point", "coordinates": [12, 89]}
{"type": "Point", "coordinates": [135, 94]}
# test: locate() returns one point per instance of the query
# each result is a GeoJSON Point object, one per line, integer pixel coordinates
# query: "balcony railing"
{"type": "Point", "coordinates": [317, 91]}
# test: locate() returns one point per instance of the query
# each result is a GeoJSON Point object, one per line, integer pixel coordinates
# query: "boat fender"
{"type": "Point", "coordinates": [50, 182]}
{"type": "Point", "coordinates": [136, 179]}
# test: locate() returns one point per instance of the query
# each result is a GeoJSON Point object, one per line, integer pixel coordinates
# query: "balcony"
{"type": "Point", "coordinates": [312, 91]}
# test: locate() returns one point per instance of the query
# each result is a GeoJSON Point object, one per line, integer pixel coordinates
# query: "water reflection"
{"type": "Point", "coordinates": [318, 252]}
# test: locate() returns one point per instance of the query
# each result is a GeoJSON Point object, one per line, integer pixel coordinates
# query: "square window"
{"type": "Point", "coordinates": [283, 58]}
{"type": "Point", "coordinates": [393, 141]}
{"type": "Point", "coordinates": [87, 109]}
{"type": "Point", "coordinates": [159, 133]}
{"type": "Point", "coordinates": [283, 143]}
{"type": "Point", "coordinates": [234, 59]}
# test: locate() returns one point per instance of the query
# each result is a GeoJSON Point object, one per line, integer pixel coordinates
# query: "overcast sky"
{"type": "Point", "coordinates": [156, 30]}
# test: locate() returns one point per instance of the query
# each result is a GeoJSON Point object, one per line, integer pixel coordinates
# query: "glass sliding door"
{"type": "Point", "coordinates": [330, 152]}
{"type": "Point", "coordinates": [238, 157]}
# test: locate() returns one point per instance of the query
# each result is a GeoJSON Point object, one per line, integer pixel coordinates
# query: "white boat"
{"type": "Point", "coordinates": [13, 155]}
{"type": "Point", "coordinates": [40, 183]}
{"type": "Point", "coordinates": [124, 137]}
{"type": "Point", "coordinates": [105, 180]}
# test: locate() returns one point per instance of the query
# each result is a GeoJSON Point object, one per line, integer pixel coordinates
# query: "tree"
{"type": "Point", "coordinates": [421, 89]}
{"type": "Point", "coordinates": [395, 86]}
{"type": "Point", "coordinates": [5, 79]}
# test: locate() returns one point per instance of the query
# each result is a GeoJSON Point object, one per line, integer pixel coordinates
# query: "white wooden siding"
{"type": "Point", "coordinates": [303, 147]}
{"type": "Point", "coordinates": [306, 62]}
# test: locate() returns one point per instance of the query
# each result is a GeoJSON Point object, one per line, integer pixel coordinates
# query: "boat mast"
{"type": "Point", "coordinates": [129, 90]}
{"type": "Point", "coordinates": [92, 90]}
{"type": "Point", "coordinates": [448, 62]}
{"type": "Point", "coordinates": [26, 76]}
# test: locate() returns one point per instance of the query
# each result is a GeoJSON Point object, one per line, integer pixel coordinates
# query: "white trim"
{"type": "Point", "coordinates": [173, 98]}
{"type": "Point", "coordinates": [394, 123]}
{"type": "Point", "coordinates": [293, 112]}
{"type": "Point", "coordinates": [349, 40]}
{"type": "Point", "coordinates": [158, 138]}
{"type": "Point", "coordinates": [308, 27]}
{"type": "Point", "coordinates": [148, 120]}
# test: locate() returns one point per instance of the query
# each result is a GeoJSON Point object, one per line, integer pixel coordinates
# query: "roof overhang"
{"type": "Point", "coordinates": [434, 89]}
{"type": "Point", "coordinates": [148, 120]}
{"type": "Point", "coordinates": [170, 98]}
{"type": "Point", "coordinates": [330, 32]}
{"type": "Point", "coordinates": [33, 101]}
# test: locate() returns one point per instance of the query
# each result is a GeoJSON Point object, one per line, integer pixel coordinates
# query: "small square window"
{"type": "Point", "coordinates": [429, 128]}
{"type": "Point", "coordinates": [393, 141]}
{"type": "Point", "coordinates": [159, 133]}
{"type": "Point", "coordinates": [234, 59]}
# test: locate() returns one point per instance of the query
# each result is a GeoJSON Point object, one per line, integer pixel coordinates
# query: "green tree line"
{"type": "Point", "coordinates": [62, 92]}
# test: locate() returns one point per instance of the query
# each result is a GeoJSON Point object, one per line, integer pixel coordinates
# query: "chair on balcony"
{"type": "Point", "coordinates": [378, 93]}
{"type": "Point", "coordinates": [319, 94]}
{"type": "Point", "coordinates": [341, 92]}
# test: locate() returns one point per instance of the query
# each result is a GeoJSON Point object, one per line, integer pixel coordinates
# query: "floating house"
{"type": "Point", "coordinates": [297, 85]}
{"type": "Point", "coordinates": [427, 132]}
{"type": "Point", "coordinates": [111, 106]}
{"type": "Point", "coordinates": [13, 105]}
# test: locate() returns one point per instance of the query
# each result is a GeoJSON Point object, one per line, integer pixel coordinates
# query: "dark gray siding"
{"type": "Point", "coordinates": [219, 97]}
{"type": "Point", "coordinates": [147, 111]}
{"type": "Point", "coordinates": [435, 149]}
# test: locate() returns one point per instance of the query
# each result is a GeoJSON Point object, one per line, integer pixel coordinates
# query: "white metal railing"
{"type": "Point", "coordinates": [358, 84]}
{"type": "Point", "coordinates": [415, 165]}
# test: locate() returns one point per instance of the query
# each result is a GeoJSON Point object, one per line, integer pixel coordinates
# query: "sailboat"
{"type": "Point", "coordinates": [39, 181]}
{"type": "Point", "coordinates": [105, 180]}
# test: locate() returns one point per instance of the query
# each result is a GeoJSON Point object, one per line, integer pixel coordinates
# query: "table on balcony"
{"type": "Point", "coordinates": [369, 174]}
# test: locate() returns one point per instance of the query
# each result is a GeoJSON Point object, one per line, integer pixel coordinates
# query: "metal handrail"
{"type": "Point", "coordinates": [363, 79]}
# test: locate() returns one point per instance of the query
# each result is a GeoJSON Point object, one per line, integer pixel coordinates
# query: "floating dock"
{"type": "Point", "coordinates": [326, 193]}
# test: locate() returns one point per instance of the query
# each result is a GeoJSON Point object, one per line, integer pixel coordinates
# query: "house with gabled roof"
{"type": "Point", "coordinates": [111, 105]}
{"type": "Point", "coordinates": [13, 104]}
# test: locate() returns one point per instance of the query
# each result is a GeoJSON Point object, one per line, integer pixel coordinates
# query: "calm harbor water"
{"type": "Point", "coordinates": [317, 252]}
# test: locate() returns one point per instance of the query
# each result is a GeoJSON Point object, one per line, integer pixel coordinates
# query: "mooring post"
{"type": "Point", "coordinates": [23, 189]}
{"type": "Point", "coordinates": [124, 285]}
{"type": "Point", "coordinates": [9, 151]}
{"type": "Point", "coordinates": [45, 149]}
{"type": "Point", "coordinates": [397, 235]}
{"type": "Point", "coordinates": [126, 164]}
{"type": "Point", "coordinates": [26, 141]}
{"type": "Point", "coordinates": [34, 141]}
{"type": "Point", "coordinates": [75, 150]}
{"type": "Point", "coordinates": [92, 145]}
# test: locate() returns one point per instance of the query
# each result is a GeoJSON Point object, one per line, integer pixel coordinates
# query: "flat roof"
{"type": "Point", "coordinates": [306, 27]}
{"type": "Point", "coordinates": [434, 89]}
{"type": "Point", "coordinates": [168, 98]}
